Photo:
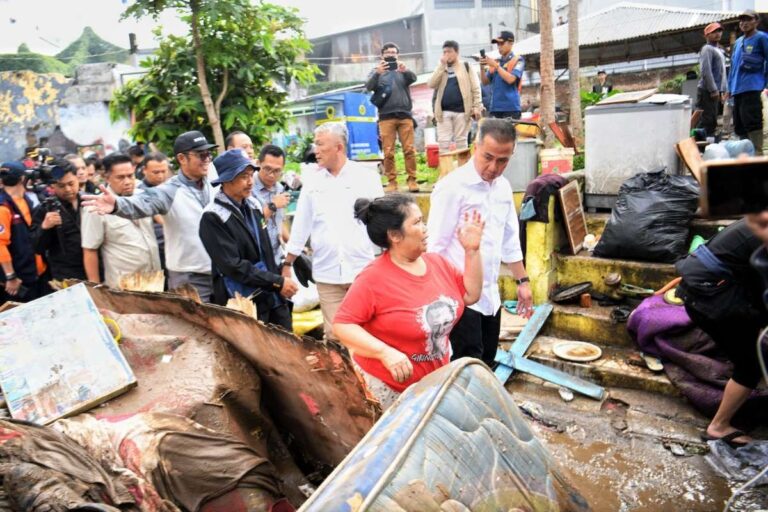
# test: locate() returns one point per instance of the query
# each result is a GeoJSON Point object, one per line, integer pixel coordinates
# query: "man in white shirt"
{"type": "Point", "coordinates": [479, 186]}
{"type": "Point", "coordinates": [325, 215]}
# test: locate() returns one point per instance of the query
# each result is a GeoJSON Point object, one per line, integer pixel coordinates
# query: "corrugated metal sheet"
{"type": "Point", "coordinates": [627, 21]}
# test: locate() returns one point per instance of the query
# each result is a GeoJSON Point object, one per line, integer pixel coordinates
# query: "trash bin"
{"type": "Point", "coordinates": [524, 164]}
{"type": "Point", "coordinates": [433, 155]}
{"type": "Point", "coordinates": [556, 160]}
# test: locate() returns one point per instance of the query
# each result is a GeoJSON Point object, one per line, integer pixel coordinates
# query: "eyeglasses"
{"type": "Point", "coordinates": [202, 155]}
{"type": "Point", "coordinates": [272, 171]}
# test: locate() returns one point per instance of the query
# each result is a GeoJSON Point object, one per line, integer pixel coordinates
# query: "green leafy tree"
{"type": "Point", "coordinates": [229, 72]}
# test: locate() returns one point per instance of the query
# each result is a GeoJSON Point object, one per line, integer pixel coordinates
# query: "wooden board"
{"type": "Point", "coordinates": [688, 151]}
{"type": "Point", "coordinates": [628, 97]}
{"type": "Point", "coordinates": [58, 358]}
{"type": "Point", "coordinates": [695, 117]}
{"type": "Point", "coordinates": [573, 214]}
{"type": "Point", "coordinates": [562, 133]}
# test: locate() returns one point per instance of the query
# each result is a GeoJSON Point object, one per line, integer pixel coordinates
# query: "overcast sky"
{"type": "Point", "coordinates": [48, 26]}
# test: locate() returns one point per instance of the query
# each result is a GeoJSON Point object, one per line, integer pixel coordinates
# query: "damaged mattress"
{"type": "Point", "coordinates": [454, 441]}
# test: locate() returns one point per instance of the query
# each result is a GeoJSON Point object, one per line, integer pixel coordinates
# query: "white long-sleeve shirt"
{"type": "Point", "coordinates": [325, 215]}
{"type": "Point", "coordinates": [464, 191]}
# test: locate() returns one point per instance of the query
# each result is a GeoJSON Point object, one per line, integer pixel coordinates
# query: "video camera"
{"type": "Point", "coordinates": [41, 170]}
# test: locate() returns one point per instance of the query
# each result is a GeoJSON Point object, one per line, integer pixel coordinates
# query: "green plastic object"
{"type": "Point", "coordinates": [697, 241]}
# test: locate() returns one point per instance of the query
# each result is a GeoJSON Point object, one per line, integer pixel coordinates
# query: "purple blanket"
{"type": "Point", "coordinates": [692, 361]}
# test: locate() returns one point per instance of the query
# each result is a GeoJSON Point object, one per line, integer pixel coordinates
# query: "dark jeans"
{"type": "Point", "coordinates": [504, 115]}
{"type": "Point", "coordinates": [736, 336]}
{"type": "Point", "coordinates": [747, 113]}
{"type": "Point", "coordinates": [709, 107]}
{"type": "Point", "coordinates": [476, 335]}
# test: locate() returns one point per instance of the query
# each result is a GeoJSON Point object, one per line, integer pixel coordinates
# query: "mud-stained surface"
{"type": "Point", "coordinates": [619, 453]}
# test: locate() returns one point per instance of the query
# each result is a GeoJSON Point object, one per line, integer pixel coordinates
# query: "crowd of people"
{"type": "Point", "coordinates": [403, 302]}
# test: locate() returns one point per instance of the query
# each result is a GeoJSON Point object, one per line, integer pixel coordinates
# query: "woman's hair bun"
{"type": "Point", "coordinates": [363, 210]}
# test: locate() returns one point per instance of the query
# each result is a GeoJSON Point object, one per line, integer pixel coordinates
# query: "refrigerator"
{"type": "Point", "coordinates": [625, 139]}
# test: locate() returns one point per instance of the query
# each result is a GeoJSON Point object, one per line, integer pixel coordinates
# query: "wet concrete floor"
{"type": "Point", "coordinates": [614, 451]}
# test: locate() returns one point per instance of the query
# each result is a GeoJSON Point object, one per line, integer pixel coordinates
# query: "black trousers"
{"type": "Point", "coordinates": [736, 336]}
{"type": "Point", "coordinates": [747, 113]}
{"type": "Point", "coordinates": [476, 335]}
{"type": "Point", "coordinates": [281, 315]}
{"type": "Point", "coordinates": [505, 115]}
{"type": "Point", "coordinates": [709, 107]}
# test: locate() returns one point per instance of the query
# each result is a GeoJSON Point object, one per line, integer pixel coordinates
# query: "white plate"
{"type": "Point", "coordinates": [577, 351]}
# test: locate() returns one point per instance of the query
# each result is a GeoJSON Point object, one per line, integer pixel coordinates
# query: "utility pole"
{"type": "Point", "coordinates": [547, 71]}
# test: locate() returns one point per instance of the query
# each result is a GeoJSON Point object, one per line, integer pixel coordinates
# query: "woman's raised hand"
{"type": "Point", "coordinates": [470, 233]}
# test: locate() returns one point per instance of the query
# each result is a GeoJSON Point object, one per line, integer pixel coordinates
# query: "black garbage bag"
{"type": "Point", "coordinates": [651, 218]}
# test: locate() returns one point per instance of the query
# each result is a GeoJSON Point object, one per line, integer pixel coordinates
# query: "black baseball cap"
{"type": "Point", "coordinates": [189, 141]}
{"type": "Point", "coordinates": [506, 35]}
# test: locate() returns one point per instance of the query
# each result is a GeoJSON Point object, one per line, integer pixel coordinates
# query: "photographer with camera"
{"type": "Point", "coordinates": [56, 224]}
{"type": "Point", "coordinates": [390, 82]}
{"type": "Point", "coordinates": [21, 266]}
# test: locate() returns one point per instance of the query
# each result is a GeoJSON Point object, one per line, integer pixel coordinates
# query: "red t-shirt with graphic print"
{"type": "Point", "coordinates": [413, 314]}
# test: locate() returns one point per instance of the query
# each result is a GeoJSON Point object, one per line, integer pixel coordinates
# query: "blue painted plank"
{"type": "Point", "coordinates": [531, 329]}
{"type": "Point", "coordinates": [558, 378]}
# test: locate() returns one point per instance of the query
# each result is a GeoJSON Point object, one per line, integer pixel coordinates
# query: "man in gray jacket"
{"type": "Point", "coordinates": [180, 201]}
{"type": "Point", "coordinates": [390, 82]}
{"type": "Point", "coordinates": [713, 83]}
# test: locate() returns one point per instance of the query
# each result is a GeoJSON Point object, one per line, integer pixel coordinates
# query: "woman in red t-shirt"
{"type": "Point", "coordinates": [396, 316]}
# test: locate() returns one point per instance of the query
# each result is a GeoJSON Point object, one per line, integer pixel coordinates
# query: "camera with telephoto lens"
{"type": "Point", "coordinates": [40, 175]}
{"type": "Point", "coordinates": [52, 204]}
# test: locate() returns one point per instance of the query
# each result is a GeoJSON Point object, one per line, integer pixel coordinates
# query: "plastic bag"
{"type": "Point", "coordinates": [651, 218]}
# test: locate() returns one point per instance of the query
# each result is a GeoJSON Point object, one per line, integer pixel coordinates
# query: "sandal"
{"type": "Point", "coordinates": [727, 439]}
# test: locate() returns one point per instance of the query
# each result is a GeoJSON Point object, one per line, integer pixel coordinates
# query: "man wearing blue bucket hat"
{"type": "Point", "coordinates": [234, 233]}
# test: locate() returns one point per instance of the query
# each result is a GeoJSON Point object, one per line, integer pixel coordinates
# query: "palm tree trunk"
{"type": "Point", "coordinates": [577, 124]}
{"type": "Point", "coordinates": [547, 70]}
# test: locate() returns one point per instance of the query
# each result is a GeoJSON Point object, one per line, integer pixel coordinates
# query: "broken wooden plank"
{"type": "Point", "coordinates": [573, 213]}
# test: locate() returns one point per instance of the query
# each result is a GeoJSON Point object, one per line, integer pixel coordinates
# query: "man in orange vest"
{"type": "Point", "coordinates": [21, 266]}
{"type": "Point", "coordinates": [505, 76]}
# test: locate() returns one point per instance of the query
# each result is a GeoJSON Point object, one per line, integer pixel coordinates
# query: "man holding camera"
{"type": "Point", "coordinates": [56, 225]}
{"type": "Point", "coordinates": [21, 266]}
{"type": "Point", "coordinates": [390, 82]}
{"type": "Point", "coordinates": [505, 77]}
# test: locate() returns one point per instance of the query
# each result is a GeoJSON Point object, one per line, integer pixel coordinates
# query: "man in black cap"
{"type": "Point", "coordinates": [21, 266]}
{"type": "Point", "coordinates": [56, 225]}
{"type": "Point", "coordinates": [180, 201]}
{"type": "Point", "coordinates": [602, 85]}
{"type": "Point", "coordinates": [747, 79]}
{"type": "Point", "coordinates": [505, 77]}
{"type": "Point", "coordinates": [234, 232]}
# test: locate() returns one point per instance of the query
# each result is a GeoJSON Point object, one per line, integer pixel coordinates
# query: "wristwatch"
{"type": "Point", "coordinates": [522, 280]}
{"type": "Point", "coordinates": [287, 263]}
{"type": "Point", "coordinates": [272, 207]}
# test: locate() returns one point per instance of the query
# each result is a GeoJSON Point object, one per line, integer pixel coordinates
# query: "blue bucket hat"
{"type": "Point", "coordinates": [231, 163]}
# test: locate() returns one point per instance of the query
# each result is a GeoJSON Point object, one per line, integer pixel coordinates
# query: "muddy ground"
{"type": "Point", "coordinates": [619, 452]}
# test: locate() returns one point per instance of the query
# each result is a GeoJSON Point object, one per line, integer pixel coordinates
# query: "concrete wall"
{"type": "Point", "coordinates": [63, 114]}
{"type": "Point", "coordinates": [470, 27]}
{"type": "Point", "coordinates": [28, 109]}
{"type": "Point", "coordinates": [358, 71]}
